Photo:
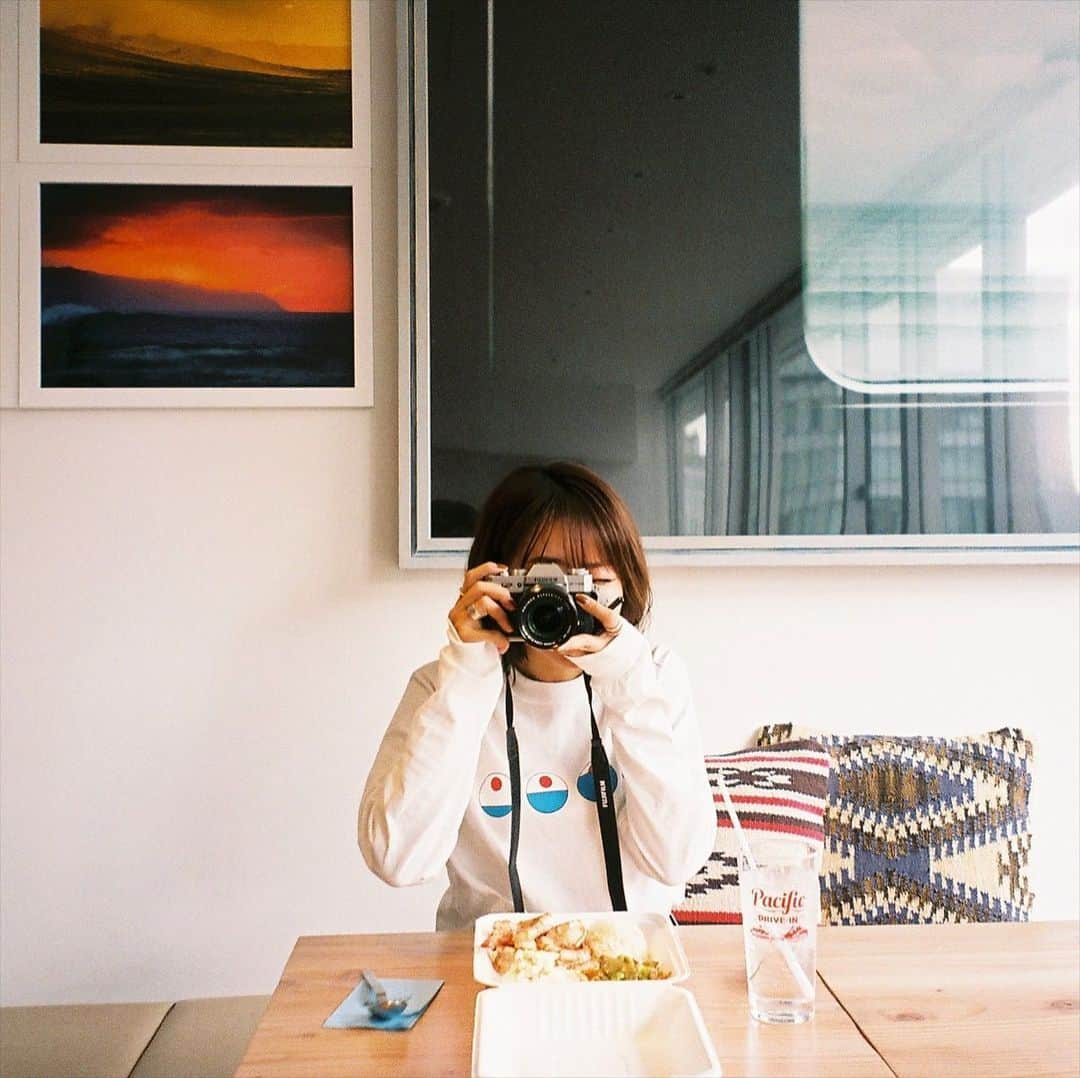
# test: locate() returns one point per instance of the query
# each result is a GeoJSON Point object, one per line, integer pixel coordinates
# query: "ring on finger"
{"type": "Point", "coordinates": [475, 611]}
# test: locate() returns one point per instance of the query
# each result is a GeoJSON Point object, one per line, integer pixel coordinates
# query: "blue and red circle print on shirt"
{"type": "Point", "coordinates": [495, 794]}
{"type": "Point", "coordinates": [587, 788]}
{"type": "Point", "coordinates": [546, 792]}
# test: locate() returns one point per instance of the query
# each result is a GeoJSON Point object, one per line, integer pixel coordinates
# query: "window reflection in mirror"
{"type": "Point", "coordinates": [941, 162]}
{"type": "Point", "coordinates": [608, 266]}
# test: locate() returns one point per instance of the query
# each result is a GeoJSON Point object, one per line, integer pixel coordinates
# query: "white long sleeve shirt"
{"type": "Point", "coordinates": [439, 791]}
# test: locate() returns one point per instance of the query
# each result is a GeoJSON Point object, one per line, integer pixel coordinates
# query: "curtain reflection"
{"type": "Point", "coordinates": [780, 449]}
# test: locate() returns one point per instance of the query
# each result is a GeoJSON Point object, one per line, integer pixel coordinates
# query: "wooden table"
{"type": "Point", "coordinates": [985, 999]}
{"type": "Point", "coordinates": [1001, 999]}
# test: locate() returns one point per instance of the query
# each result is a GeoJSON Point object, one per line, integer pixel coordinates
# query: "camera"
{"type": "Point", "coordinates": [545, 612]}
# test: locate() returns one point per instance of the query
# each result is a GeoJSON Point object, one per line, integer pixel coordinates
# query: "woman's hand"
{"type": "Point", "coordinates": [589, 643]}
{"type": "Point", "coordinates": [479, 599]}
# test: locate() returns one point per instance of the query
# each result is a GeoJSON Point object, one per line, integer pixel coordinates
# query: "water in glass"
{"type": "Point", "coordinates": [779, 896]}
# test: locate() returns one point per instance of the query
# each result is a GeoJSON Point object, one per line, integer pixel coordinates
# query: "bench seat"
{"type": "Point", "coordinates": [195, 1038]}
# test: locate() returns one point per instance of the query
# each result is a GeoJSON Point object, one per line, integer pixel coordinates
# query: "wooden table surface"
{"type": "Point", "coordinates": [985, 999]}
{"type": "Point", "coordinates": [1000, 999]}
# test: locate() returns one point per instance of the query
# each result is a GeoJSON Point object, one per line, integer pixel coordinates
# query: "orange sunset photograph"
{"type": "Point", "coordinates": [185, 286]}
{"type": "Point", "coordinates": [196, 72]}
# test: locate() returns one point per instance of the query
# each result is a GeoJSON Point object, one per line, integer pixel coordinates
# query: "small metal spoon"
{"type": "Point", "coordinates": [381, 1007]}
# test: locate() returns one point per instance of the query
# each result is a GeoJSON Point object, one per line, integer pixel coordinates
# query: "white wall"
{"type": "Point", "coordinates": [204, 632]}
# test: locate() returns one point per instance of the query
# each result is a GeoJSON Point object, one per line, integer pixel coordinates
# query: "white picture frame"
{"type": "Point", "coordinates": [26, 163]}
{"type": "Point", "coordinates": [31, 149]}
{"type": "Point", "coordinates": [9, 219]}
{"type": "Point", "coordinates": [32, 394]}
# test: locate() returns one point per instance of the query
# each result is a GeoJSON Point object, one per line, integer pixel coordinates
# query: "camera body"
{"type": "Point", "coordinates": [545, 612]}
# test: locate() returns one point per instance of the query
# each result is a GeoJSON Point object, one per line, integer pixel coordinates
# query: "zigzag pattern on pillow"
{"type": "Point", "coordinates": [782, 791]}
{"type": "Point", "coordinates": [924, 829]}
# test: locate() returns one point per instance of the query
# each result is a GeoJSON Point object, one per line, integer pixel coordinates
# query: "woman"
{"type": "Point", "coordinates": [492, 709]}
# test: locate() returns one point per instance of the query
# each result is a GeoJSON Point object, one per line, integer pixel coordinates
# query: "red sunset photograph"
{"type": "Point", "coordinates": [196, 286]}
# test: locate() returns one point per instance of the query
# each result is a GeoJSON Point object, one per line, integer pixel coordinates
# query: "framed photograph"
{"type": "Point", "coordinates": [166, 287]}
{"type": "Point", "coordinates": [160, 80]}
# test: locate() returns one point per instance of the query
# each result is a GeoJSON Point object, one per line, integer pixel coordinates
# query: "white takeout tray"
{"type": "Point", "coordinates": [661, 941]}
{"type": "Point", "coordinates": [640, 1028]}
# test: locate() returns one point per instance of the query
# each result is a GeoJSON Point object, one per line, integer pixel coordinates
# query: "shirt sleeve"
{"type": "Point", "coordinates": [420, 783]}
{"type": "Point", "coordinates": [668, 820]}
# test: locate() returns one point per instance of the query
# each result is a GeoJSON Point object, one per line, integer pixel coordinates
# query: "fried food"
{"type": "Point", "coordinates": [502, 958]}
{"type": "Point", "coordinates": [566, 935]}
{"type": "Point", "coordinates": [541, 947]}
{"type": "Point", "coordinates": [527, 932]}
{"type": "Point", "coordinates": [501, 935]}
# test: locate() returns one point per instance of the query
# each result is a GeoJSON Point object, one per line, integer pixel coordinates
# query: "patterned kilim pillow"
{"type": "Point", "coordinates": [924, 829]}
{"type": "Point", "coordinates": [781, 790]}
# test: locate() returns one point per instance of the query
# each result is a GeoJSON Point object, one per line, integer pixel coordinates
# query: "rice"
{"type": "Point", "coordinates": [611, 940]}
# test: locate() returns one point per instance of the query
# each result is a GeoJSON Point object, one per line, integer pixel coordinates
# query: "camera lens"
{"type": "Point", "coordinates": [548, 617]}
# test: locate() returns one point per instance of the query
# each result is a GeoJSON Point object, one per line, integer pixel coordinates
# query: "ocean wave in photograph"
{"type": "Point", "coordinates": [110, 350]}
{"type": "Point", "coordinates": [187, 286]}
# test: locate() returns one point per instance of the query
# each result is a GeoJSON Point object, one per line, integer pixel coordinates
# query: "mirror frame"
{"type": "Point", "coordinates": [417, 548]}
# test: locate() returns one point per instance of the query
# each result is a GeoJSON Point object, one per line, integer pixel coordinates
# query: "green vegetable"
{"type": "Point", "coordinates": [624, 968]}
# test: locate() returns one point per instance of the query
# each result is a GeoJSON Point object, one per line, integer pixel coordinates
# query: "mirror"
{"type": "Point", "coordinates": [601, 221]}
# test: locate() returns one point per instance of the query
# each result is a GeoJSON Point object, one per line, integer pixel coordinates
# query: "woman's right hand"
{"type": "Point", "coordinates": [479, 598]}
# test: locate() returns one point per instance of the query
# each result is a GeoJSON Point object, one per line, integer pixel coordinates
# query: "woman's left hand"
{"type": "Point", "coordinates": [590, 643]}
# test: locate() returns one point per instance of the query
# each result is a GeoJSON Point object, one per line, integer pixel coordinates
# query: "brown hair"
{"type": "Point", "coordinates": [522, 510]}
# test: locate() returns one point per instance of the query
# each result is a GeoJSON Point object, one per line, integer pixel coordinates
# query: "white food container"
{"type": "Point", "coordinates": [662, 943]}
{"type": "Point", "coordinates": [643, 1028]}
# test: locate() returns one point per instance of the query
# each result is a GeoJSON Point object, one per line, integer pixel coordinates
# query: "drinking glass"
{"type": "Point", "coordinates": [778, 886]}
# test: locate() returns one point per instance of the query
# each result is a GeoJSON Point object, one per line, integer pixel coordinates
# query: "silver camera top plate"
{"type": "Point", "coordinates": [544, 572]}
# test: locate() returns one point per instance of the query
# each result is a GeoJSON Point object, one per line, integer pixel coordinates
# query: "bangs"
{"type": "Point", "coordinates": [583, 542]}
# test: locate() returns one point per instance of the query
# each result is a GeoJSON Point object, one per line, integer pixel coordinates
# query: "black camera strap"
{"type": "Point", "coordinates": [605, 810]}
{"type": "Point", "coordinates": [605, 805]}
{"type": "Point", "coordinates": [514, 762]}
